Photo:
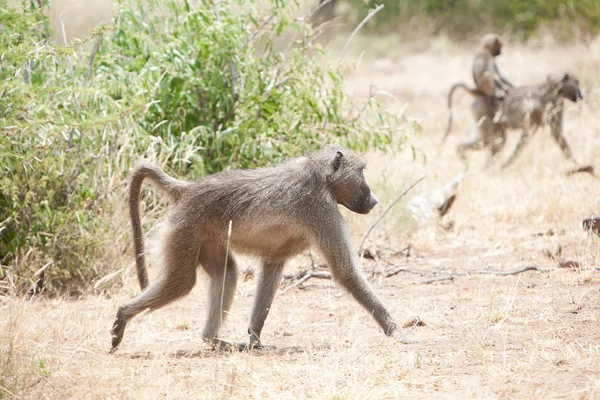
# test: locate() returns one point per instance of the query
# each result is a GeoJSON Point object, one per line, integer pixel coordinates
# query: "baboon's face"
{"type": "Point", "coordinates": [571, 90]}
{"type": "Point", "coordinates": [497, 47]}
{"type": "Point", "coordinates": [348, 185]}
{"type": "Point", "coordinates": [568, 86]}
{"type": "Point", "coordinates": [493, 44]}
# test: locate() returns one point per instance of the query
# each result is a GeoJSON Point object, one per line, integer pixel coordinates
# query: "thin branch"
{"type": "Point", "coordinates": [514, 272]}
{"type": "Point", "coordinates": [433, 280]}
{"type": "Point", "coordinates": [64, 36]}
{"type": "Point", "coordinates": [358, 28]}
{"type": "Point", "coordinates": [92, 56]}
{"type": "Point", "coordinates": [232, 68]}
{"type": "Point", "coordinates": [385, 212]}
{"type": "Point", "coordinates": [397, 269]}
{"type": "Point", "coordinates": [260, 28]}
{"type": "Point", "coordinates": [303, 277]}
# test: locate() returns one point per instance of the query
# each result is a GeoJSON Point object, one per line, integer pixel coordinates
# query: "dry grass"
{"type": "Point", "coordinates": [533, 335]}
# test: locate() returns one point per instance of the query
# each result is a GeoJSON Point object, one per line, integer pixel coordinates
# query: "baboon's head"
{"type": "Point", "coordinates": [567, 86]}
{"type": "Point", "coordinates": [492, 43]}
{"type": "Point", "coordinates": [346, 180]}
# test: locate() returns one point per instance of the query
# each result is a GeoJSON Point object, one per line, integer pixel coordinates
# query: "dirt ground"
{"type": "Point", "coordinates": [530, 335]}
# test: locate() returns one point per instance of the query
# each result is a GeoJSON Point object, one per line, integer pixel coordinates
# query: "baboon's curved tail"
{"type": "Point", "coordinates": [174, 188]}
{"type": "Point", "coordinates": [461, 85]}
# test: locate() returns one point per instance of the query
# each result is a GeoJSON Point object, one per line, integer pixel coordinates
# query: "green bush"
{"type": "Point", "coordinates": [521, 17]}
{"type": "Point", "coordinates": [198, 89]}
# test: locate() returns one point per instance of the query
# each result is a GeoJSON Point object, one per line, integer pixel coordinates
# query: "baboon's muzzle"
{"type": "Point", "coordinates": [370, 203]}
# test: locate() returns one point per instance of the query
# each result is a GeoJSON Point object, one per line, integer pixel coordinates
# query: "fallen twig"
{"type": "Point", "coordinates": [433, 280]}
{"type": "Point", "coordinates": [397, 269]}
{"type": "Point", "coordinates": [362, 242]}
{"type": "Point", "coordinates": [306, 275]}
{"type": "Point", "coordinates": [514, 272]}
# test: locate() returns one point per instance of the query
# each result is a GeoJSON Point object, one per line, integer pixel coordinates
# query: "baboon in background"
{"type": "Point", "coordinates": [486, 75]}
{"type": "Point", "coordinates": [529, 107]}
{"type": "Point", "coordinates": [491, 87]}
{"type": "Point", "coordinates": [276, 213]}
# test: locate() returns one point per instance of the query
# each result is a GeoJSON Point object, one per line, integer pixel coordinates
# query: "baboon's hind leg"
{"type": "Point", "coordinates": [223, 281]}
{"type": "Point", "coordinates": [177, 279]}
{"type": "Point", "coordinates": [496, 145]}
{"type": "Point", "coordinates": [265, 292]}
{"type": "Point", "coordinates": [472, 144]}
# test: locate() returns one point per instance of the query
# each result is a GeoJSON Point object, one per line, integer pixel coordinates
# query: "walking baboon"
{"type": "Point", "coordinates": [527, 108]}
{"type": "Point", "coordinates": [491, 87]}
{"type": "Point", "coordinates": [276, 213]}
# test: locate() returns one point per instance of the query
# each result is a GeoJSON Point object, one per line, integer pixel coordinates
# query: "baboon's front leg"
{"type": "Point", "coordinates": [556, 130]}
{"type": "Point", "coordinates": [265, 292]}
{"type": "Point", "coordinates": [336, 247]}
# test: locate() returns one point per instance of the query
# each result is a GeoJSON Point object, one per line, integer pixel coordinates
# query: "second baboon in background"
{"type": "Point", "coordinates": [490, 88]}
{"type": "Point", "coordinates": [529, 107]}
{"type": "Point", "coordinates": [276, 213]}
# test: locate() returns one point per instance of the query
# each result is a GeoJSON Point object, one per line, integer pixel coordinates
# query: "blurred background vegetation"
{"type": "Point", "coordinates": [461, 18]}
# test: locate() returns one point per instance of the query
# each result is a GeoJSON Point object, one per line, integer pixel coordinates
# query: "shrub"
{"type": "Point", "coordinates": [198, 89]}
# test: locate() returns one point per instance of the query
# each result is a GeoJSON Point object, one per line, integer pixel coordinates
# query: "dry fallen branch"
{"type": "Point", "coordinates": [304, 276]}
{"type": "Point", "coordinates": [397, 269]}
{"type": "Point", "coordinates": [433, 280]}
{"type": "Point", "coordinates": [514, 272]}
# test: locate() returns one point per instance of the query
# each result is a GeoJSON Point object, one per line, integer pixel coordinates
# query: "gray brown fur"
{"type": "Point", "coordinates": [276, 213]}
{"type": "Point", "coordinates": [490, 87]}
{"type": "Point", "coordinates": [486, 75]}
{"type": "Point", "coordinates": [527, 108]}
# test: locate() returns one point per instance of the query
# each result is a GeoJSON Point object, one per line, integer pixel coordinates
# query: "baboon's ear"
{"type": "Point", "coordinates": [565, 77]}
{"type": "Point", "coordinates": [554, 78]}
{"type": "Point", "coordinates": [337, 161]}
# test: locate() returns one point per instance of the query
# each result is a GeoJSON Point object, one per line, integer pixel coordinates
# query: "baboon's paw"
{"type": "Point", "coordinates": [117, 334]}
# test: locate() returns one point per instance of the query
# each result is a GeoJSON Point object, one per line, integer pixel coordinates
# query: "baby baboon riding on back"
{"type": "Point", "coordinates": [276, 213]}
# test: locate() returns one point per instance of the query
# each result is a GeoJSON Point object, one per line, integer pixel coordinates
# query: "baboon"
{"type": "Point", "coordinates": [529, 107]}
{"type": "Point", "coordinates": [491, 87]}
{"type": "Point", "coordinates": [486, 75]}
{"type": "Point", "coordinates": [275, 213]}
